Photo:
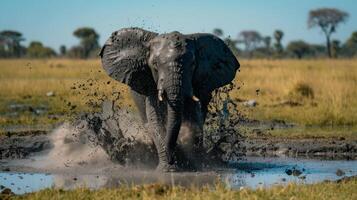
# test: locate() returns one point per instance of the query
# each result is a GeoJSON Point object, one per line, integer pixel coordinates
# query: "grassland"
{"type": "Point", "coordinates": [345, 190]}
{"type": "Point", "coordinates": [310, 93]}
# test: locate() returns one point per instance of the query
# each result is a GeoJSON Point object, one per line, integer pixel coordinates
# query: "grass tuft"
{"type": "Point", "coordinates": [326, 190]}
{"type": "Point", "coordinates": [302, 90]}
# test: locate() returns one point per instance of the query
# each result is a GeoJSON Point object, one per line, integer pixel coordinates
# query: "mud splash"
{"type": "Point", "coordinates": [120, 134]}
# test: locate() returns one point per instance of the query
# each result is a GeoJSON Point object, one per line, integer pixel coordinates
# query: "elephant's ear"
{"type": "Point", "coordinates": [216, 65]}
{"type": "Point", "coordinates": [124, 57]}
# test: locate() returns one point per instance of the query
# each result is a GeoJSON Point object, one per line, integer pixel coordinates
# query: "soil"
{"type": "Point", "coordinates": [18, 147]}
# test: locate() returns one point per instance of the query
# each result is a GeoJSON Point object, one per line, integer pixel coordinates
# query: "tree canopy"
{"type": "Point", "coordinates": [327, 19]}
{"type": "Point", "coordinates": [10, 43]}
{"type": "Point", "coordinates": [37, 50]}
{"type": "Point", "coordinates": [298, 48]}
{"type": "Point", "coordinates": [250, 39]}
{"type": "Point", "coordinates": [88, 41]}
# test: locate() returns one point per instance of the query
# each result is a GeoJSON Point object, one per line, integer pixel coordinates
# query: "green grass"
{"type": "Point", "coordinates": [344, 190]}
{"type": "Point", "coordinates": [337, 132]}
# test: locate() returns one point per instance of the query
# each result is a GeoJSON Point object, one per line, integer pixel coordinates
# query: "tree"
{"type": "Point", "coordinates": [298, 48]}
{"type": "Point", "coordinates": [267, 42]}
{"type": "Point", "coordinates": [335, 48]}
{"type": "Point", "coordinates": [352, 41]}
{"type": "Point", "coordinates": [75, 52]}
{"type": "Point", "coordinates": [317, 50]}
{"type": "Point", "coordinates": [218, 32]}
{"type": "Point", "coordinates": [278, 36]}
{"type": "Point", "coordinates": [327, 19]}
{"type": "Point", "coordinates": [250, 39]}
{"type": "Point", "coordinates": [2, 47]}
{"type": "Point", "coordinates": [88, 40]}
{"type": "Point", "coordinates": [10, 42]}
{"type": "Point", "coordinates": [37, 50]}
{"type": "Point", "coordinates": [350, 47]}
{"type": "Point", "coordinates": [63, 50]}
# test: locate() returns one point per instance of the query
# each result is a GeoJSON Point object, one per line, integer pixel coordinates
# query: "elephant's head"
{"type": "Point", "coordinates": [172, 67]}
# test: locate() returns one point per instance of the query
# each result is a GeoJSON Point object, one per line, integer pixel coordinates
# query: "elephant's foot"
{"type": "Point", "coordinates": [166, 167]}
{"type": "Point", "coordinates": [166, 160]}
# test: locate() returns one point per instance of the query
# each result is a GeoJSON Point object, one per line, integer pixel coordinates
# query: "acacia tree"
{"type": "Point", "coordinates": [352, 41]}
{"type": "Point", "coordinates": [298, 48]}
{"type": "Point", "coordinates": [10, 41]}
{"type": "Point", "coordinates": [278, 36]}
{"type": "Point", "coordinates": [88, 40]}
{"type": "Point", "coordinates": [250, 39]}
{"type": "Point", "coordinates": [335, 48]}
{"type": "Point", "coordinates": [63, 50]}
{"type": "Point", "coordinates": [327, 19]}
{"type": "Point", "coordinates": [267, 42]}
{"type": "Point", "coordinates": [350, 47]}
{"type": "Point", "coordinates": [37, 50]}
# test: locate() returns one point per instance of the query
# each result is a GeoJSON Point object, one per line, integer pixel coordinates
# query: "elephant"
{"type": "Point", "coordinates": [171, 77]}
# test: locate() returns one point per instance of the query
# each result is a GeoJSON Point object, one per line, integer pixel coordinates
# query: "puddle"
{"type": "Point", "coordinates": [265, 172]}
{"type": "Point", "coordinates": [252, 173]}
{"type": "Point", "coordinates": [21, 183]}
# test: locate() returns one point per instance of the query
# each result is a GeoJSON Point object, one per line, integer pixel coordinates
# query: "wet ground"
{"type": "Point", "coordinates": [252, 172]}
{"type": "Point", "coordinates": [111, 148]}
{"type": "Point", "coordinates": [63, 159]}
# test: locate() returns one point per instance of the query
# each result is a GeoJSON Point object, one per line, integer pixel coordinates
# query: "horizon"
{"type": "Point", "coordinates": [53, 23]}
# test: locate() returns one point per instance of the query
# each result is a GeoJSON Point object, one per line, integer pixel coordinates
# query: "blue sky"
{"type": "Point", "coordinates": [53, 21]}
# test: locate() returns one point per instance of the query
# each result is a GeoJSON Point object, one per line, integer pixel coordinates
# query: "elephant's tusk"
{"type": "Point", "coordinates": [195, 98]}
{"type": "Point", "coordinates": [160, 95]}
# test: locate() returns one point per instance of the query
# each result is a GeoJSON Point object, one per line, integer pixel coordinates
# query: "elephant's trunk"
{"type": "Point", "coordinates": [177, 86]}
{"type": "Point", "coordinates": [174, 117]}
{"type": "Point", "coordinates": [175, 99]}
{"type": "Point", "coordinates": [175, 96]}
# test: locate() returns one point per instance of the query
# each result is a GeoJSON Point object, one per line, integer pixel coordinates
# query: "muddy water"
{"type": "Point", "coordinates": [252, 172]}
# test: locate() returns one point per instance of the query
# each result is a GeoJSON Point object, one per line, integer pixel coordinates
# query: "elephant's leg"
{"type": "Point", "coordinates": [154, 114]}
{"type": "Point", "coordinates": [140, 102]}
{"type": "Point", "coordinates": [200, 110]}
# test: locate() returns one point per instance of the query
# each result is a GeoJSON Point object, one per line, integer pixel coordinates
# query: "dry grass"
{"type": "Point", "coordinates": [307, 92]}
{"type": "Point", "coordinates": [344, 190]}
{"type": "Point", "coordinates": [327, 90]}
{"type": "Point", "coordinates": [28, 81]}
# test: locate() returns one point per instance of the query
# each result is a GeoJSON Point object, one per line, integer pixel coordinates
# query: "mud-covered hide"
{"type": "Point", "coordinates": [216, 65]}
{"type": "Point", "coordinates": [124, 57]}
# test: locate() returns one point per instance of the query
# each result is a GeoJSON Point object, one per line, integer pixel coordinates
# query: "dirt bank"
{"type": "Point", "coordinates": [327, 148]}
{"type": "Point", "coordinates": [16, 147]}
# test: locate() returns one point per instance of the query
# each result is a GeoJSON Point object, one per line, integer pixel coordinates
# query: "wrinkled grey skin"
{"type": "Point", "coordinates": [171, 77]}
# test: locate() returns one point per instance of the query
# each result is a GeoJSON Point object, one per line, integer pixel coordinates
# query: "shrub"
{"type": "Point", "coordinates": [302, 90]}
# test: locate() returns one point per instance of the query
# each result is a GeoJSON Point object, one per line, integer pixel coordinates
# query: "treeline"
{"type": "Point", "coordinates": [11, 47]}
{"type": "Point", "coordinates": [247, 44]}
{"type": "Point", "coordinates": [251, 44]}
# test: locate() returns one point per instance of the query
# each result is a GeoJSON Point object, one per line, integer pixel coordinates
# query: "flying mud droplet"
{"type": "Point", "coordinates": [114, 134]}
